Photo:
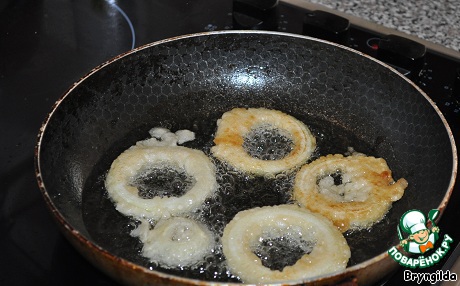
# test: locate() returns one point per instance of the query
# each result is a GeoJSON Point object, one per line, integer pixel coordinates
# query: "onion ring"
{"type": "Point", "coordinates": [362, 198]}
{"type": "Point", "coordinates": [176, 242]}
{"type": "Point", "coordinates": [137, 159]}
{"type": "Point", "coordinates": [237, 123]}
{"type": "Point", "coordinates": [248, 228]}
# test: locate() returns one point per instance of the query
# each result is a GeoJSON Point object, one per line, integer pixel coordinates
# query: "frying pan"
{"type": "Point", "coordinates": [346, 98]}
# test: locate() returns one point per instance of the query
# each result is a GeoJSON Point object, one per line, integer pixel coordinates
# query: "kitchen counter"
{"type": "Point", "coordinates": [434, 21]}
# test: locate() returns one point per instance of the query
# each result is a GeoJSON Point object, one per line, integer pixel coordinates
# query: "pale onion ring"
{"type": "Point", "coordinates": [236, 123]}
{"type": "Point", "coordinates": [131, 162]}
{"type": "Point", "coordinates": [175, 242]}
{"type": "Point", "coordinates": [371, 190]}
{"type": "Point", "coordinates": [330, 253]}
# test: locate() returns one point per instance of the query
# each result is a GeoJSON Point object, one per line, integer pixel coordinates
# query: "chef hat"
{"type": "Point", "coordinates": [413, 221]}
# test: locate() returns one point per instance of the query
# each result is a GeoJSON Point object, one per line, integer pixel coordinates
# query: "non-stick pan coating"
{"type": "Point", "coordinates": [188, 83]}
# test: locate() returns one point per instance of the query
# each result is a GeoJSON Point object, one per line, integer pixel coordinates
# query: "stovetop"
{"type": "Point", "coordinates": [48, 45]}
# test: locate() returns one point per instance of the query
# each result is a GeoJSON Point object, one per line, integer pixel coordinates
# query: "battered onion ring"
{"type": "Point", "coordinates": [237, 123]}
{"type": "Point", "coordinates": [136, 159]}
{"type": "Point", "coordinates": [176, 242]}
{"type": "Point", "coordinates": [368, 189]}
{"type": "Point", "coordinates": [247, 229]}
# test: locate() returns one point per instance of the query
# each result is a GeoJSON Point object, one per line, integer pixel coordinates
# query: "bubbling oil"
{"type": "Point", "coordinates": [162, 181]}
{"type": "Point", "coordinates": [237, 191]}
{"type": "Point", "coordinates": [279, 252]}
{"type": "Point", "coordinates": [265, 142]}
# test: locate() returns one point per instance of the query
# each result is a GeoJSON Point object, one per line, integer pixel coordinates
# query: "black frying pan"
{"type": "Point", "coordinates": [188, 83]}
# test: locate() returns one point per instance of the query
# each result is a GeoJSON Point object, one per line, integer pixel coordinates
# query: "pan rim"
{"type": "Point", "coordinates": [83, 239]}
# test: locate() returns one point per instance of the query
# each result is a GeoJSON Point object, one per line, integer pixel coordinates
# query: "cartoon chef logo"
{"type": "Point", "coordinates": [421, 239]}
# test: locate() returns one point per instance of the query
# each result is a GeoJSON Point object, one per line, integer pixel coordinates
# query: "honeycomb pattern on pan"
{"type": "Point", "coordinates": [188, 83]}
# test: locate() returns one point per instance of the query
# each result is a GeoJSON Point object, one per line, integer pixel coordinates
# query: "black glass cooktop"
{"type": "Point", "coordinates": [46, 46]}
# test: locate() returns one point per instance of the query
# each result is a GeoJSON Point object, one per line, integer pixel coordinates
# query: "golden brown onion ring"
{"type": "Point", "coordinates": [248, 228]}
{"type": "Point", "coordinates": [176, 242]}
{"type": "Point", "coordinates": [237, 123]}
{"type": "Point", "coordinates": [138, 158]}
{"type": "Point", "coordinates": [362, 198]}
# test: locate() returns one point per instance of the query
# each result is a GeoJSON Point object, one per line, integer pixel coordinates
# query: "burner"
{"type": "Point", "coordinates": [131, 27]}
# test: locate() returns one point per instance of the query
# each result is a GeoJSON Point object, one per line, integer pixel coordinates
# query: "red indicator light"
{"type": "Point", "coordinates": [373, 43]}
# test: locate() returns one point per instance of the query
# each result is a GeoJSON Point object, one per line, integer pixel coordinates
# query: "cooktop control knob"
{"type": "Point", "coordinates": [456, 87]}
{"type": "Point", "coordinates": [402, 52]}
{"type": "Point", "coordinates": [255, 14]}
{"type": "Point", "coordinates": [326, 26]}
